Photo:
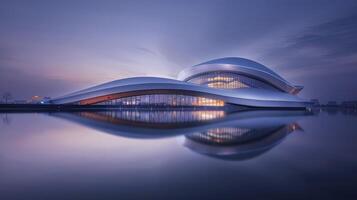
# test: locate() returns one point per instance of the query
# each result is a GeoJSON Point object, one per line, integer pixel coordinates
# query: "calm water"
{"type": "Point", "coordinates": [179, 155]}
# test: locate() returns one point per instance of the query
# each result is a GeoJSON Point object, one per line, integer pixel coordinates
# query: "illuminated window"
{"type": "Point", "coordinates": [228, 80]}
{"type": "Point", "coordinates": [164, 100]}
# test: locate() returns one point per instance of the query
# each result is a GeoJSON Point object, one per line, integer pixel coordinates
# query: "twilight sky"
{"type": "Point", "coordinates": [49, 48]}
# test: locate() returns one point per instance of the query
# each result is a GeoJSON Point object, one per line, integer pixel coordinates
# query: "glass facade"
{"type": "Point", "coordinates": [155, 116]}
{"type": "Point", "coordinates": [228, 80]}
{"type": "Point", "coordinates": [163, 100]}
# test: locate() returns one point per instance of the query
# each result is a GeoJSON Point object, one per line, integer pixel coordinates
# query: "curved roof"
{"type": "Point", "coordinates": [123, 82]}
{"type": "Point", "coordinates": [246, 96]}
{"type": "Point", "coordinates": [242, 62]}
{"type": "Point", "coordinates": [243, 66]}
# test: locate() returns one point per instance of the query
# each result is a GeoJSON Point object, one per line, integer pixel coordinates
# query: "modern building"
{"type": "Point", "coordinates": [221, 82]}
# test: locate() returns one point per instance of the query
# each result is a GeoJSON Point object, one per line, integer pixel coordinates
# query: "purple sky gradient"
{"type": "Point", "coordinates": [49, 48]}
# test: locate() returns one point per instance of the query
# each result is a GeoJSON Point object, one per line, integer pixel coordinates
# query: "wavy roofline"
{"type": "Point", "coordinates": [247, 96]}
{"type": "Point", "coordinates": [284, 96]}
{"type": "Point", "coordinates": [282, 84]}
{"type": "Point", "coordinates": [239, 61]}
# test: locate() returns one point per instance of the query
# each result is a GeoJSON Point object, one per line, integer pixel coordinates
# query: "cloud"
{"type": "Point", "coordinates": [320, 57]}
{"type": "Point", "coordinates": [337, 38]}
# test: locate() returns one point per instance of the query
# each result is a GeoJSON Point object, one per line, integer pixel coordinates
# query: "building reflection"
{"type": "Point", "coordinates": [234, 143]}
{"type": "Point", "coordinates": [215, 133]}
{"type": "Point", "coordinates": [154, 118]}
{"type": "Point", "coordinates": [145, 123]}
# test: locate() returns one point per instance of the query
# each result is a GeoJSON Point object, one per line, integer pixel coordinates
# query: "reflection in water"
{"type": "Point", "coordinates": [214, 133]}
{"type": "Point", "coordinates": [248, 155]}
{"type": "Point", "coordinates": [5, 118]}
{"type": "Point", "coordinates": [238, 143]}
{"type": "Point", "coordinates": [154, 116]}
{"type": "Point", "coordinates": [225, 135]}
{"type": "Point", "coordinates": [349, 111]}
{"type": "Point", "coordinates": [145, 124]}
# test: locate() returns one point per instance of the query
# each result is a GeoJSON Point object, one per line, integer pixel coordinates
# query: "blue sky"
{"type": "Point", "coordinates": [49, 48]}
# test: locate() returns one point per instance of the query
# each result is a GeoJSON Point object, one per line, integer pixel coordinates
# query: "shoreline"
{"type": "Point", "coordinates": [73, 108]}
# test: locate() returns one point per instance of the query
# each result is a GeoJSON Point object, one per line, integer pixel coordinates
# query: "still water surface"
{"type": "Point", "coordinates": [179, 155]}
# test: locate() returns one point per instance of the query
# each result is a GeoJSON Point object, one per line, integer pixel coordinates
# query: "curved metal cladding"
{"type": "Point", "coordinates": [252, 97]}
{"type": "Point", "coordinates": [241, 66]}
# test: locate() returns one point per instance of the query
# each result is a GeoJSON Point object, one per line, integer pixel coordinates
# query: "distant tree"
{"type": "Point", "coordinates": [7, 96]}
